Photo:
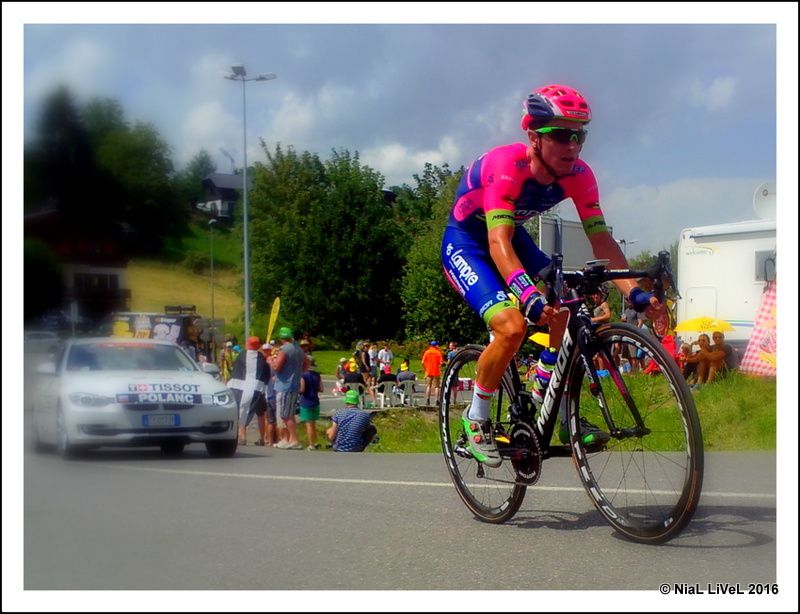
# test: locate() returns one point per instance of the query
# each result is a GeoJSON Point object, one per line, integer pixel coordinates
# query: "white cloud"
{"type": "Point", "coordinates": [714, 97]}
{"type": "Point", "coordinates": [398, 162]}
{"type": "Point", "coordinates": [83, 65]}
{"type": "Point", "coordinates": [655, 215]}
{"type": "Point", "coordinates": [207, 125]}
{"type": "Point", "coordinates": [293, 122]}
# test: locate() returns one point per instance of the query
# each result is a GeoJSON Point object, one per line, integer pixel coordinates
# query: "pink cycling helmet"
{"type": "Point", "coordinates": [554, 102]}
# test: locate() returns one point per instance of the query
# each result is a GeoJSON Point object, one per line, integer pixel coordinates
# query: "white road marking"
{"type": "Point", "coordinates": [253, 476]}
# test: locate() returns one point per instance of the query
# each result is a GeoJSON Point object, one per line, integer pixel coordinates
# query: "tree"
{"type": "Point", "coordinates": [190, 180]}
{"type": "Point", "coordinates": [59, 165]}
{"type": "Point", "coordinates": [145, 196]}
{"type": "Point", "coordinates": [102, 116]}
{"type": "Point", "coordinates": [432, 308]}
{"type": "Point", "coordinates": [324, 241]}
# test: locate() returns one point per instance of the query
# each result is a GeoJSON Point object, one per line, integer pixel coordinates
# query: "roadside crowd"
{"type": "Point", "coordinates": [700, 361]}
{"type": "Point", "coordinates": [277, 383]}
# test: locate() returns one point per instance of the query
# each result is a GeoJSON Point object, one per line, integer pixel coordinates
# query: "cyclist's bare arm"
{"type": "Point", "coordinates": [506, 260]}
{"type": "Point", "coordinates": [604, 246]}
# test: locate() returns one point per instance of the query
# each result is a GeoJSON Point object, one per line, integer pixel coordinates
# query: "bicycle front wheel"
{"type": "Point", "coordinates": [646, 480]}
{"type": "Point", "coordinates": [492, 494]}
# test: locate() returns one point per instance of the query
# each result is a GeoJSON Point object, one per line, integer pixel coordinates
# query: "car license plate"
{"type": "Point", "coordinates": [161, 420]}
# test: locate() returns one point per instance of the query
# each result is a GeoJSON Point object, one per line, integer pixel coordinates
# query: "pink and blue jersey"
{"type": "Point", "coordinates": [499, 189]}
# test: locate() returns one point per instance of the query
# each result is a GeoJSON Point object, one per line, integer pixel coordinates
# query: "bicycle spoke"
{"type": "Point", "coordinates": [645, 480]}
{"type": "Point", "coordinates": [492, 494]}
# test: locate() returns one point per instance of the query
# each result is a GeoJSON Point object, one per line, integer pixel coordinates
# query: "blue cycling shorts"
{"type": "Point", "coordinates": [469, 268]}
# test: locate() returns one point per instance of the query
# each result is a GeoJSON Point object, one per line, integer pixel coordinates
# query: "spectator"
{"type": "Point", "coordinates": [352, 429]}
{"type": "Point", "coordinates": [306, 344]}
{"type": "Point", "coordinates": [386, 376]}
{"type": "Point", "coordinates": [288, 367]}
{"type": "Point", "coordinates": [355, 378]}
{"type": "Point", "coordinates": [600, 315]}
{"type": "Point", "coordinates": [385, 358]}
{"type": "Point", "coordinates": [627, 351]}
{"type": "Point", "coordinates": [226, 359]}
{"type": "Point", "coordinates": [452, 348]}
{"type": "Point", "coordinates": [688, 369]}
{"type": "Point", "coordinates": [602, 312]}
{"type": "Point", "coordinates": [249, 379]}
{"type": "Point", "coordinates": [341, 371]}
{"type": "Point", "coordinates": [269, 350]}
{"type": "Point", "coordinates": [310, 387]}
{"type": "Point", "coordinates": [668, 343]}
{"type": "Point", "coordinates": [730, 358]}
{"type": "Point", "coordinates": [708, 361]}
{"type": "Point", "coordinates": [362, 360]}
{"type": "Point", "coordinates": [372, 352]}
{"type": "Point", "coordinates": [432, 363]}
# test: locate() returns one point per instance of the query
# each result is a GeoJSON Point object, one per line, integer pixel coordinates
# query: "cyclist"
{"type": "Point", "coordinates": [486, 251]}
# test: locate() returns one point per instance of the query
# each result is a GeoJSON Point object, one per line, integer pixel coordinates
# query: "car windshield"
{"type": "Point", "coordinates": [126, 357]}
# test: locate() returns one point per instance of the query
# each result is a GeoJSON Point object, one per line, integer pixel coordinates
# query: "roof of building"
{"type": "Point", "coordinates": [226, 181]}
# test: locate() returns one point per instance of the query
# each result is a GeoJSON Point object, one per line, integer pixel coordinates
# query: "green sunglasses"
{"type": "Point", "coordinates": [563, 135]}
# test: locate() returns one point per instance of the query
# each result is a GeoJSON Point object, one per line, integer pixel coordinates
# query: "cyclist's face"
{"type": "Point", "coordinates": [561, 156]}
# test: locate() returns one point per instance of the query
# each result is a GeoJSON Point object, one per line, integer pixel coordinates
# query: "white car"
{"type": "Point", "coordinates": [131, 392]}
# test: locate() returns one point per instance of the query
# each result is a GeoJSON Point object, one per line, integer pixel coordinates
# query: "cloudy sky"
{"type": "Point", "coordinates": [666, 143]}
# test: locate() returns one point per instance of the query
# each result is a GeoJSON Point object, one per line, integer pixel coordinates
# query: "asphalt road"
{"type": "Point", "coordinates": [273, 519]}
{"type": "Point", "coordinates": [283, 519]}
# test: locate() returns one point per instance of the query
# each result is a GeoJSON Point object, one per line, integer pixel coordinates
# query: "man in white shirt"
{"type": "Point", "coordinates": [385, 358]}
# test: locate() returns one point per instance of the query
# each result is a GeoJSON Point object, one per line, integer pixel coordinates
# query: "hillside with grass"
{"type": "Point", "coordinates": [156, 284]}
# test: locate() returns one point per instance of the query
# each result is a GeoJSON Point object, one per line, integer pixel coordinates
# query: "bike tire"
{"type": "Point", "coordinates": [645, 484]}
{"type": "Point", "coordinates": [492, 494]}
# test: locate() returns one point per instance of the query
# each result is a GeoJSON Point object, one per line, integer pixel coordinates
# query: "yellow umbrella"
{"type": "Point", "coordinates": [541, 339]}
{"type": "Point", "coordinates": [704, 325]}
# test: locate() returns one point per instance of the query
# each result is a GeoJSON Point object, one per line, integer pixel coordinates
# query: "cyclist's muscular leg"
{"type": "Point", "coordinates": [508, 329]}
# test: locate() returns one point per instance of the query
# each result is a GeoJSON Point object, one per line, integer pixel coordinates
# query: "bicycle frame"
{"type": "Point", "coordinates": [575, 346]}
{"type": "Point", "coordinates": [523, 409]}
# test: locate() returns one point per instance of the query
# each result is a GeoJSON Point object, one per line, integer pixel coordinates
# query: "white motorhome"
{"type": "Point", "coordinates": [722, 272]}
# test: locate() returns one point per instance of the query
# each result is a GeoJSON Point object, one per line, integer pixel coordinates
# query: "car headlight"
{"type": "Point", "coordinates": [223, 398]}
{"type": "Point", "coordinates": [88, 399]}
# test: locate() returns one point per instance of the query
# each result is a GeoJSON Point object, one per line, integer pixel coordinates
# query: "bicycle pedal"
{"type": "Point", "coordinates": [462, 451]}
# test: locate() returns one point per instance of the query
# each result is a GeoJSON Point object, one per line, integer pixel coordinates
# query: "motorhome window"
{"type": "Point", "coordinates": [765, 265]}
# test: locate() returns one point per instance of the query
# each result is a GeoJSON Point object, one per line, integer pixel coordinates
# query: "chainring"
{"type": "Point", "coordinates": [525, 453]}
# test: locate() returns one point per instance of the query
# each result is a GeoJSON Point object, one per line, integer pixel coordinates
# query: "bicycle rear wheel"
{"type": "Point", "coordinates": [646, 480]}
{"type": "Point", "coordinates": [492, 494]}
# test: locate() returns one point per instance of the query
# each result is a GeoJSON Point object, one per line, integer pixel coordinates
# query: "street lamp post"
{"type": "Point", "coordinates": [239, 74]}
{"type": "Point", "coordinates": [212, 328]}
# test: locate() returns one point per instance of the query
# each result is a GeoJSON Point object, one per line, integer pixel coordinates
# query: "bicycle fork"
{"type": "Point", "coordinates": [596, 389]}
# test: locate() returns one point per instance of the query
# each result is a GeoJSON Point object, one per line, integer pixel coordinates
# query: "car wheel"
{"type": "Point", "coordinates": [65, 448]}
{"type": "Point", "coordinates": [172, 448]}
{"type": "Point", "coordinates": [222, 448]}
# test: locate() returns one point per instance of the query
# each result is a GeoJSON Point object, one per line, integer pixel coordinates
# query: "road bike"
{"type": "Point", "coordinates": [646, 479]}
